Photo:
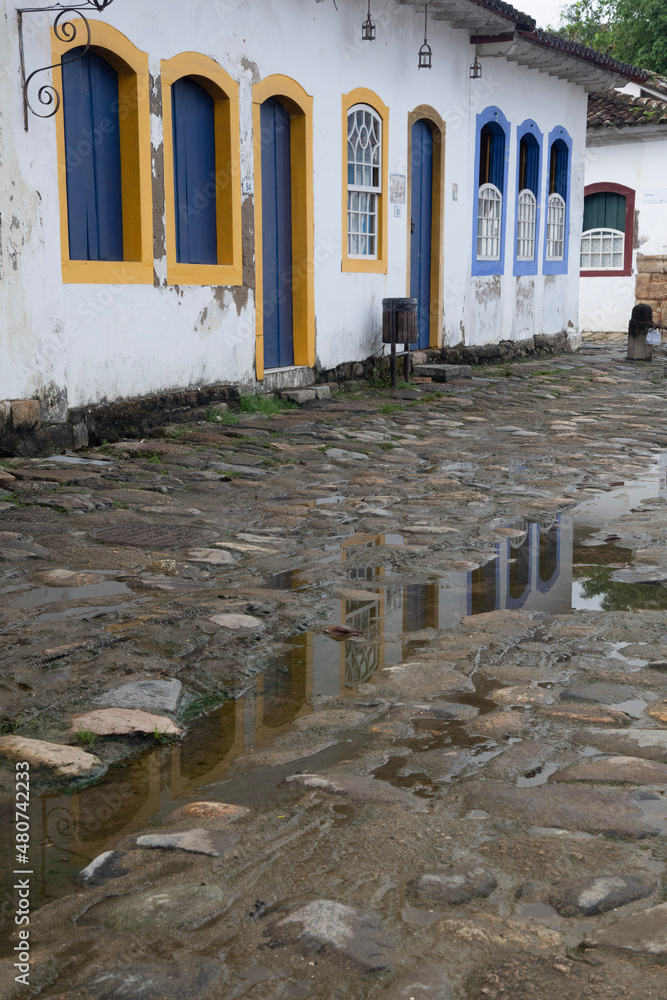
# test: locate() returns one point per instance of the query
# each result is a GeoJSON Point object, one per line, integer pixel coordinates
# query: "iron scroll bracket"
{"type": "Point", "coordinates": [48, 97]}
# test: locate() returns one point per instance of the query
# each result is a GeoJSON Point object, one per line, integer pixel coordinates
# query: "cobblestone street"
{"type": "Point", "coordinates": [359, 699]}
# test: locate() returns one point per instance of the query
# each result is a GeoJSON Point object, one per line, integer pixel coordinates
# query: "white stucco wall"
{"type": "Point", "coordinates": [639, 163]}
{"type": "Point", "coordinates": [107, 342]}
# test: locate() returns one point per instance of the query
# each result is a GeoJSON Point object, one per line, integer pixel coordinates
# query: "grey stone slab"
{"type": "Point", "coordinates": [343, 933]}
{"type": "Point", "coordinates": [569, 807]}
{"type": "Point", "coordinates": [247, 470]}
{"type": "Point", "coordinates": [427, 982]}
{"type": "Point", "coordinates": [643, 933]}
{"type": "Point", "coordinates": [101, 869]}
{"type": "Point", "coordinates": [619, 770]}
{"type": "Point", "coordinates": [168, 911]}
{"type": "Point", "coordinates": [588, 897]}
{"type": "Point", "coordinates": [197, 841]}
{"type": "Point", "coordinates": [148, 536]}
{"type": "Point", "coordinates": [144, 980]}
{"type": "Point", "coordinates": [151, 695]}
{"type": "Point", "coordinates": [650, 744]}
{"type": "Point", "coordinates": [450, 889]}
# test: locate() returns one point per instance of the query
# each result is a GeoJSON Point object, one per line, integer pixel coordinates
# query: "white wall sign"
{"type": "Point", "coordinates": [397, 189]}
{"type": "Point", "coordinates": [656, 196]}
{"type": "Point", "coordinates": [247, 185]}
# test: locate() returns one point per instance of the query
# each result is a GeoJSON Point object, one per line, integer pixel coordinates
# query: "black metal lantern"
{"type": "Point", "coordinates": [476, 66]}
{"type": "Point", "coordinates": [368, 29]}
{"type": "Point", "coordinates": [425, 52]}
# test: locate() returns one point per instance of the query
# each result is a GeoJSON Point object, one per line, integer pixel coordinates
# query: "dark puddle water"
{"type": "Point", "coordinates": [550, 568]}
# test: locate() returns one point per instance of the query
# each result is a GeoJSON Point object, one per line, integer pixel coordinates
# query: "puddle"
{"type": "Point", "coordinates": [75, 460]}
{"type": "Point", "coordinates": [39, 596]}
{"type": "Point", "coordinates": [549, 568]}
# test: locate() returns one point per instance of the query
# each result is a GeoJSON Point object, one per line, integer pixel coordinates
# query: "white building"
{"type": "Point", "coordinates": [624, 247]}
{"type": "Point", "coordinates": [229, 188]}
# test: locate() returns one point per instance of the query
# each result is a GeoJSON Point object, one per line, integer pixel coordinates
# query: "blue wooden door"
{"type": "Point", "coordinates": [277, 236]}
{"type": "Point", "coordinates": [92, 152]}
{"type": "Point", "coordinates": [422, 226]}
{"type": "Point", "coordinates": [193, 118]}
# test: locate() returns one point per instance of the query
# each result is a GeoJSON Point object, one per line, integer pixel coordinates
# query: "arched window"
{"type": "Point", "coordinates": [364, 180]}
{"type": "Point", "coordinates": [490, 211]}
{"type": "Point", "coordinates": [608, 218]}
{"type": "Point", "coordinates": [528, 188]}
{"type": "Point", "coordinates": [104, 155]}
{"type": "Point", "coordinates": [202, 174]}
{"type": "Point", "coordinates": [557, 228]}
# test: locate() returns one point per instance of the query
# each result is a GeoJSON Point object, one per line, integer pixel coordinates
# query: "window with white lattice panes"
{"type": "Point", "coordinates": [489, 222]}
{"type": "Point", "coordinates": [556, 228]}
{"type": "Point", "coordinates": [602, 250]}
{"type": "Point", "coordinates": [364, 180]}
{"type": "Point", "coordinates": [527, 221]}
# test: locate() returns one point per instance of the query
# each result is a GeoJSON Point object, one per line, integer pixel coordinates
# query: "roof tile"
{"type": "Point", "coordinates": [611, 109]}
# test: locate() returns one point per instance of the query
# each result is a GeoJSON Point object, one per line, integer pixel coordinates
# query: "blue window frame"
{"type": "Point", "coordinates": [557, 203]}
{"type": "Point", "coordinates": [193, 124]}
{"type": "Point", "coordinates": [528, 209]}
{"type": "Point", "coordinates": [490, 202]}
{"type": "Point", "coordinates": [93, 157]}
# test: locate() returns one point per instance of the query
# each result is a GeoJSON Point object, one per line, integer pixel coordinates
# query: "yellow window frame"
{"type": "Point", "coordinates": [379, 264]}
{"type": "Point", "coordinates": [225, 93]}
{"type": "Point", "coordinates": [299, 104]}
{"type": "Point", "coordinates": [131, 64]}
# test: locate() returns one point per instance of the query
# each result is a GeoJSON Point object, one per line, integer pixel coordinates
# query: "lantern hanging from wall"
{"type": "Point", "coordinates": [425, 52]}
{"type": "Point", "coordinates": [368, 30]}
{"type": "Point", "coordinates": [476, 66]}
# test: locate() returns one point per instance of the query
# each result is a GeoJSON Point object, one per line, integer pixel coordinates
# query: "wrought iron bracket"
{"type": "Point", "coordinates": [65, 31]}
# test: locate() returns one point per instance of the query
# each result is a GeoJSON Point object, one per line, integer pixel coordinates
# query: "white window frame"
{"type": "Point", "coordinates": [489, 222]}
{"type": "Point", "coordinates": [526, 238]}
{"type": "Point", "coordinates": [556, 219]}
{"type": "Point", "coordinates": [363, 199]}
{"type": "Point", "coordinates": [599, 235]}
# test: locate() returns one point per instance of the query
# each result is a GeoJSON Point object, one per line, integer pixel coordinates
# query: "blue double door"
{"type": "Point", "coordinates": [422, 226]}
{"type": "Point", "coordinates": [278, 309]}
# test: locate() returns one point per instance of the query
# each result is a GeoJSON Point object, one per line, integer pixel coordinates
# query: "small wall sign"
{"type": "Point", "coordinates": [397, 189]}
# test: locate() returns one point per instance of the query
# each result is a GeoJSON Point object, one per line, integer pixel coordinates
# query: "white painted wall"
{"type": "Point", "coordinates": [638, 163]}
{"type": "Point", "coordinates": [110, 342]}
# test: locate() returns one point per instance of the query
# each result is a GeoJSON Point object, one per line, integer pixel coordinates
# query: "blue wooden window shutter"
{"type": "Point", "coordinates": [193, 117]}
{"type": "Point", "coordinates": [92, 151]}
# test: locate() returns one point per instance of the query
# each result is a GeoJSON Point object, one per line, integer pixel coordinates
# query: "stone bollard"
{"type": "Point", "coordinates": [640, 324]}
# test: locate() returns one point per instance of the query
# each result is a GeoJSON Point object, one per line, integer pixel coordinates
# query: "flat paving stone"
{"type": "Point", "coordinates": [145, 980]}
{"type": "Point", "coordinates": [588, 897]}
{"type": "Point", "coordinates": [642, 933]}
{"type": "Point", "coordinates": [349, 786]}
{"type": "Point", "coordinates": [453, 889]}
{"type": "Point", "coordinates": [427, 982]}
{"type": "Point", "coordinates": [121, 721]}
{"type": "Point", "coordinates": [214, 557]}
{"type": "Point", "coordinates": [342, 933]}
{"type": "Point", "coordinates": [236, 622]}
{"type": "Point", "coordinates": [102, 869]}
{"type": "Point", "coordinates": [156, 695]}
{"type": "Point", "coordinates": [170, 910]}
{"type": "Point", "coordinates": [496, 724]}
{"type": "Point", "coordinates": [219, 811]}
{"type": "Point", "coordinates": [196, 841]}
{"type": "Point", "coordinates": [651, 744]}
{"type": "Point", "coordinates": [621, 770]}
{"type": "Point", "coordinates": [63, 761]}
{"type": "Point", "coordinates": [594, 715]}
{"type": "Point", "coordinates": [611, 813]}
{"type": "Point", "coordinates": [148, 536]}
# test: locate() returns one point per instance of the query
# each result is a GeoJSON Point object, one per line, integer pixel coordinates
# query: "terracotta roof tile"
{"type": "Point", "coordinates": [610, 109]}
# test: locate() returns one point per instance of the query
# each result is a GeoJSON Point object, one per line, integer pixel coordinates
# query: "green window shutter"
{"type": "Point", "coordinates": [604, 210]}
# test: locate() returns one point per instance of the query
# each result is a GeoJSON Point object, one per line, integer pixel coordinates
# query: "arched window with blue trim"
{"type": "Point", "coordinates": [529, 168]}
{"type": "Point", "coordinates": [491, 165]}
{"type": "Point", "coordinates": [557, 230]}
{"type": "Point", "coordinates": [195, 188]}
{"type": "Point", "coordinates": [92, 157]}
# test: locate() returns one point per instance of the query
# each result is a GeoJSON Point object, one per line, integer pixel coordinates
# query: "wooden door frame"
{"type": "Point", "coordinates": [300, 107]}
{"type": "Point", "coordinates": [426, 113]}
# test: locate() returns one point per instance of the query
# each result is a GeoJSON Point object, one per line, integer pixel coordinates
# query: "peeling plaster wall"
{"type": "Point", "coordinates": [105, 342]}
{"type": "Point", "coordinates": [639, 163]}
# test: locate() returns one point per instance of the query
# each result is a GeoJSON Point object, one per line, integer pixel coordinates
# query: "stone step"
{"type": "Point", "coordinates": [301, 395]}
{"type": "Point", "coordinates": [443, 373]}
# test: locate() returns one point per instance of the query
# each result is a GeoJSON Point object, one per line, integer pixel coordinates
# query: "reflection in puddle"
{"type": "Point", "coordinates": [38, 596]}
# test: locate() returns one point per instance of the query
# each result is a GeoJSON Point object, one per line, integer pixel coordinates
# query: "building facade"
{"type": "Point", "coordinates": [624, 244]}
{"type": "Point", "coordinates": [228, 189]}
